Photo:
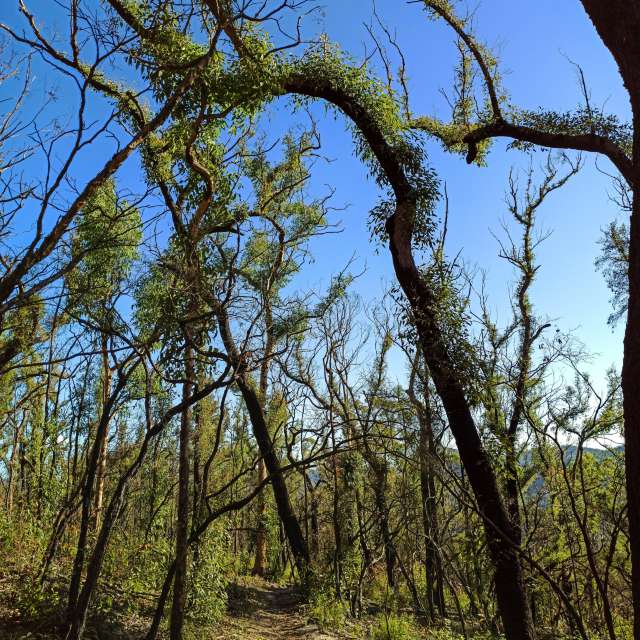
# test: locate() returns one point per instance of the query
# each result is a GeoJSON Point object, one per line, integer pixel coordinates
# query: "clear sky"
{"type": "Point", "coordinates": [535, 42]}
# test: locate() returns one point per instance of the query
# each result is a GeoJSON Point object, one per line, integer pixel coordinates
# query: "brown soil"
{"type": "Point", "coordinates": [264, 611]}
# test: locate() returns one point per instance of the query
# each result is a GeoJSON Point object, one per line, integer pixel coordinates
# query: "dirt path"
{"type": "Point", "coordinates": [263, 611]}
{"type": "Point", "coordinates": [258, 610]}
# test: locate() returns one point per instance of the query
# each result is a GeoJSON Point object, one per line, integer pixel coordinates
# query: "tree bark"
{"type": "Point", "coordinates": [290, 523]}
{"type": "Point", "coordinates": [260, 562]}
{"type": "Point", "coordinates": [182, 524]}
{"type": "Point", "coordinates": [380, 489]}
{"type": "Point", "coordinates": [102, 459]}
{"type": "Point", "coordinates": [252, 400]}
{"type": "Point", "coordinates": [433, 561]}
{"type": "Point", "coordinates": [631, 404]}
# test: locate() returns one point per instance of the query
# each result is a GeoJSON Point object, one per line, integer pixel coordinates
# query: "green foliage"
{"type": "Point", "coordinates": [583, 120]}
{"type": "Point", "coordinates": [380, 113]}
{"type": "Point", "coordinates": [23, 541]}
{"type": "Point", "coordinates": [106, 243]}
{"type": "Point", "coordinates": [327, 612]}
{"type": "Point", "coordinates": [250, 241]}
{"type": "Point", "coordinates": [22, 325]}
{"type": "Point", "coordinates": [394, 627]}
{"type": "Point", "coordinates": [208, 578]}
{"type": "Point", "coordinates": [470, 105]}
{"type": "Point", "coordinates": [34, 601]}
{"type": "Point", "coordinates": [285, 219]}
{"type": "Point", "coordinates": [467, 117]}
{"type": "Point", "coordinates": [613, 262]}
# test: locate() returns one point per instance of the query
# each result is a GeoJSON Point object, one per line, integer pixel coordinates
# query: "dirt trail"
{"type": "Point", "coordinates": [263, 611]}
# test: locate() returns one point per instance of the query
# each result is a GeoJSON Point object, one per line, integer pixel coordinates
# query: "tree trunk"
{"type": "Point", "coordinates": [380, 488]}
{"type": "Point", "coordinates": [631, 401]}
{"type": "Point", "coordinates": [513, 603]}
{"type": "Point", "coordinates": [618, 24]}
{"type": "Point", "coordinates": [290, 523]}
{"type": "Point", "coordinates": [433, 561]}
{"type": "Point", "coordinates": [260, 562]}
{"type": "Point", "coordinates": [255, 409]}
{"type": "Point", "coordinates": [315, 527]}
{"type": "Point", "coordinates": [73, 619]}
{"type": "Point", "coordinates": [182, 524]}
{"type": "Point", "coordinates": [102, 459]}
{"type": "Point", "coordinates": [13, 463]}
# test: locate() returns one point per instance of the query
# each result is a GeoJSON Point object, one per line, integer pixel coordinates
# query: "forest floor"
{"type": "Point", "coordinates": [264, 611]}
{"type": "Point", "coordinates": [257, 610]}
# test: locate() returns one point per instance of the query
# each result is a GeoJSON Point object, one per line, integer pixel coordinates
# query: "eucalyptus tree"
{"type": "Point", "coordinates": [273, 254]}
{"type": "Point", "coordinates": [316, 371]}
{"type": "Point", "coordinates": [220, 281]}
{"type": "Point", "coordinates": [216, 311]}
{"type": "Point", "coordinates": [116, 115]}
{"type": "Point", "coordinates": [107, 235]}
{"type": "Point", "coordinates": [509, 393]}
{"type": "Point", "coordinates": [404, 218]}
{"type": "Point", "coordinates": [280, 220]}
{"type": "Point", "coordinates": [187, 166]}
{"type": "Point", "coordinates": [588, 128]}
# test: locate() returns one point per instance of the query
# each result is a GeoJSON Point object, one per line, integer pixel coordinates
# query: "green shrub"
{"type": "Point", "coordinates": [327, 612]}
{"type": "Point", "coordinates": [23, 543]}
{"type": "Point", "coordinates": [132, 573]}
{"type": "Point", "coordinates": [208, 578]}
{"type": "Point", "coordinates": [34, 601]}
{"type": "Point", "coordinates": [394, 627]}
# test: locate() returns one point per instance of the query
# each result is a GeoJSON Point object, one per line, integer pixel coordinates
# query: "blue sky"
{"type": "Point", "coordinates": [534, 42]}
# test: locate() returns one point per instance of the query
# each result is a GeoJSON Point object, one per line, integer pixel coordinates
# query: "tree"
{"type": "Point", "coordinates": [587, 129]}
{"type": "Point", "coordinates": [108, 236]}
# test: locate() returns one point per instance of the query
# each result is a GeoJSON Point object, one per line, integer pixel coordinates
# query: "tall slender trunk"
{"type": "Point", "coordinates": [315, 526]}
{"type": "Point", "coordinates": [433, 561]}
{"type": "Point", "coordinates": [78, 600]}
{"type": "Point", "coordinates": [182, 523]}
{"type": "Point", "coordinates": [290, 523]}
{"type": "Point", "coordinates": [631, 395]}
{"type": "Point", "coordinates": [336, 520]}
{"type": "Point", "coordinates": [260, 562]}
{"type": "Point", "coordinates": [13, 463]}
{"type": "Point", "coordinates": [102, 460]}
{"type": "Point", "coordinates": [380, 490]}
{"type": "Point", "coordinates": [255, 409]}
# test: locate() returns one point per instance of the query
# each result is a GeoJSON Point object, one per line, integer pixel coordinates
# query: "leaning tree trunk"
{"type": "Point", "coordinates": [255, 409]}
{"type": "Point", "coordinates": [260, 562]}
{"type": "Point", "coordinates": [73, 619]}
{"type": "Point", "coordinates": [513, 603]}
{"type": "Point", "coordinates": [292, 528]}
